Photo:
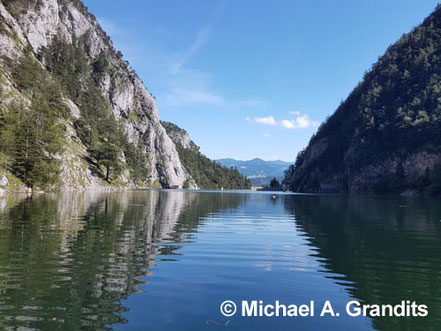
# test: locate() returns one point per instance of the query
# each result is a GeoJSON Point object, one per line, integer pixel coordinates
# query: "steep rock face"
{"type": "Point", "coordinates": [205, 173]}
{"type": "Point", "coordinates": [179, 136]}
{"type": "Point", "coordinates": [30, 27]}
{"type": "Point", "coordinates": [386, 134]}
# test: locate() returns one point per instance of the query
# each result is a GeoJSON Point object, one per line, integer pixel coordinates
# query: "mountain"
{"type": "Point", "coordinates": [207, 173]}
{"type": "Point", "coordinates": [73, 113]}
{"type": "Point", "coordinates": [259, 171]}
{"type": "Point", "coordinates": [385, 136]}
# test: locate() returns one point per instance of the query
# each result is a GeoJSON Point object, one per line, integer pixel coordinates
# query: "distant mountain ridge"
{"type": "Point", "coordinates": [259, 171]}
{"type": "Point", "coordinates": [206, 173]}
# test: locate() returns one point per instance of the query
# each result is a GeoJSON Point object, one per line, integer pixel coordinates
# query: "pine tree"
{"type": "Point", "coordinates": [274, 183]}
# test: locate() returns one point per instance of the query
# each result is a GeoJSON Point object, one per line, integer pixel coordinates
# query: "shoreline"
{"type": "Point", "coordinates": [4, 193]}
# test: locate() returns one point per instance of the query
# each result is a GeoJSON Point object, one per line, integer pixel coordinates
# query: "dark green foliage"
{"type": "Point", "coordinates": [186, 184]}
{"type": "Point", "coordinates": [100, 65]}
{"type": "Point", "coordinates": [97, 128]}
{"type": "Point", "coordinates": [435, 181]}
{"type": "Point", "coordinates": [70, 65]}
{"type": "Point", "coordinates": [30, 77]}
{"type": "Point", "coordinates": [394, 111]}
{"type": "Point", "coordinates": [5, 161]}
{"type": "Point", "coordinates": [136, 158]}
{"type": "Point", "coordinates": [31, 136]}
{"type": "Point", "coordinates": [106, 154]}
{"type": "Point", "coordinates": [430, 181]}
{"type": "Point", "coordinates": [274, 183]}
{"type": "Point", "coordinates": [391, 183]}
{"type": "Point", "coordinates": [423, 181]}
{"type": "Point", "coordinates": [211, 175]}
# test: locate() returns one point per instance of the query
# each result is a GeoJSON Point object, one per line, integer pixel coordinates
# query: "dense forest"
{"type": "Point", "coordinates": [208, 174]}
{"type": "Point", "coordinates": [385, 136]}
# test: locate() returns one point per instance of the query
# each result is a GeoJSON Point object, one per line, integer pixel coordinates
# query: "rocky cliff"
{"type": "Point", "coordinates": [206, 173]}
{"type": "Point", "coordinates": [179, 136]}
{"type": "Point", "coordinates": [385, 136]}
{"type": "Point", "coordinates": [64, 40]}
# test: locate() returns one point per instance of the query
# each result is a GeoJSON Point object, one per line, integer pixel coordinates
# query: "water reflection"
{"type": "Point", "coordinates": [381, 249]}
{"type": "Point", "coordinates": [72, 258]}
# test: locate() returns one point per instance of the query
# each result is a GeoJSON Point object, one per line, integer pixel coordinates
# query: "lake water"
{"type": "Point", "coordinates": [166, 260]}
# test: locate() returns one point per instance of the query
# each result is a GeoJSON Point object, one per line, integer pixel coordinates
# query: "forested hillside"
{"type": "Point", "coordinates": [260, 172]}
{"type": "Point", "coordinates": [208, 174]}
{"type": "Point", "coordinates": [386, 135]}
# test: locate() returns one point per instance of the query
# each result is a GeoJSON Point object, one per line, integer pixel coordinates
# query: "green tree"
{"type": "Point", "coordinates": [394, 112]}
{"type": "Point", "coordinates": [5, 161]}
{"type": "Point", "coordinates": [37, 139]}
{"type": "Point", "coordinates": [208, 174]}
{"type": "Point", "coordinates": [435, 179]}
{"type": "Point", "coordinates": [274, 183]}
{"type": "Point", "coordinates": [97, 128]}
{"type": "Point", "coordinates": [106, 154]}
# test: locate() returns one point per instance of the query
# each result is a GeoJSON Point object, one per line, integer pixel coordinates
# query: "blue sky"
{"type": "Point", "coordinates": [253, 78]}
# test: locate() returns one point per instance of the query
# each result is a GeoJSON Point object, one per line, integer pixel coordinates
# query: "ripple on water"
{"type": "Point", "coordinates": [78, 260]}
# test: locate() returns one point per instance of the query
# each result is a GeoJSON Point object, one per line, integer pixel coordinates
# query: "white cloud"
{"type": "Point", "coordinates": [295, 112]}
{"type": "Point", "coordinates": [300, 122]}
{"type": "Point", "coordinates": [177, 61]}
{"type": "Point", "coordinates": [177, 83]}
{"type": "Point", "coordinates": [267, 134]}
{"type": "Point", "coordinates": [268, 120]}
{"type": "Point", "coordinates": [181, 96]}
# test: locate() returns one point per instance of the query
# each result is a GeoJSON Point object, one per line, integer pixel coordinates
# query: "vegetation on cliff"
{"type": "Point", "coordinates": [208, 174]}
{"type": "Point", "coordinates": [73, 114]}
{"type": "Point", "coordinates": [31, 134]}
{"type": "Point", "coordinates": [98, 130]}
{"type": "Point", "coordinates": [378, 136]}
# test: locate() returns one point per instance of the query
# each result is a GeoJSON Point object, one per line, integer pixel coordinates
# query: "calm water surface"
{"type": "Point", "coordinates": [165, 260]}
